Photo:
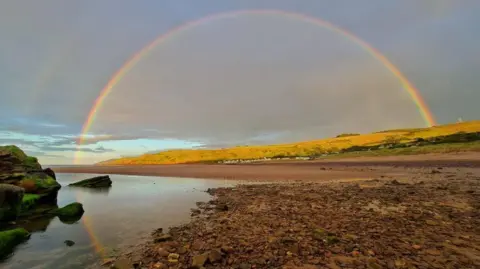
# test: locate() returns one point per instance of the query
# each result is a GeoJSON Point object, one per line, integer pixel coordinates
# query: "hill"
{"type": "Point", "coordinates": [426, 139]}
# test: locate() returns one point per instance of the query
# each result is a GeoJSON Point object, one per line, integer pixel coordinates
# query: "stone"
{"type": "Point", "coordinates": [173, 257]}
{"type": "Point", "coordinates": [199, 260]}
{"type": "Point", "coordinates": [226, 249]}
{"type": "Point", "coordinates": [221, 207]}
{"type": "Point", "coordinates": [162, 238]}
{"type": "Point", "coordinates": [11, 238]}
{"type": "Point", "coordinates": [122, 264]}
{"type": "Point", "coordinates": [214, 256]}
{"type": "Point", "coordinates": [245, 266]}
{"type": "Point", "coordinates": [416, 247]}
{"type": "Point", "coordinates": [50, 173]}
{"type": "Point", "coordinates": [400, 263]}
{"type": "Point", "coordinates": [94, 182]}
{"type": "Point", "coordinates": [331, 240]}
{"type": "Point", "coordinates": [372, 264]}
{"type": "Point", "coordinates": [69, 243]}
{"type": "Point", "coordinates": [162, 252]}
{"type": "Point", "coordinates": [160, 265]}
{"type": "Point", "coordinates": [10, 201]}
{"type": "Point", "coordinates": [70, 211]}
{"type": "Point", "coordinates": [108, 262]}
{"type": "Point", "coordinates": [182, 250]}
{"type": "Point", "coordinates": [14, 164]}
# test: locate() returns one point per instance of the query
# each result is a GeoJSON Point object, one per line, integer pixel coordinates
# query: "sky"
{"type": "Point", "coordinates": [240, 80]}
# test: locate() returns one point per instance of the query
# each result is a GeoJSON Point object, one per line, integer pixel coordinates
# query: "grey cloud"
{"type": "Point", "coordinates": [233, 81]}
{"type": "Point", "coordinates": [72, 140]}
{"type": "Point", "coordinates": [95, 150]}
{"type": "Point", "coordinates": [16, 141]}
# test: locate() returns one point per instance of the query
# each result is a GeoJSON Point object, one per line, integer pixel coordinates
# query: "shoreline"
{"type": "Point", "coordinates": [315, 170]}
{"type": "Point", "coordinates": [419, 220]}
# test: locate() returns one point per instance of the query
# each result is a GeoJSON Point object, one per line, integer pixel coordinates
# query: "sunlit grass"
{"type": "Point", "coordinates": [315, 147]}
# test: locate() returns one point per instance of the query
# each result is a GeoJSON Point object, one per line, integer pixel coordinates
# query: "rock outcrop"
{"type": "Point", "coordinates": [10, 201]}
{"type": "Point", "coordinates": [70, 211]}
{"type": "Point", "coordinates": [23, 174]}
{"type": "Point", "coordinates": [18, 169]}
{"type": "Point", "coordinates": [94, 182]}
{"type": "Point", "coordinates": [11, 238]}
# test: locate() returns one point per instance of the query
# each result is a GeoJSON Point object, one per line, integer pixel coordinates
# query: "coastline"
{"type": "Point", "coordinates": [424, 219]}
{"type": "Point", "coordinates": [316, 170]}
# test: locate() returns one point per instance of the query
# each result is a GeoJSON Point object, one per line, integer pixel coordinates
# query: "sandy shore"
{"type": "Point", "coordinates": [423, 218]}
{"type": "Point", "coordinates": [332, 169]}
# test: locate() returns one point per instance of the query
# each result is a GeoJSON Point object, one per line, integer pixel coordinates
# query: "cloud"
{"type": "Point", "coordinates": [16, 141]}
{"type": "Point", "coordinates": [90, 139]}
{"type": "Point", "coordinates": [240, 80]}
{"type": "Point", "coordinates": [99, 149]}
{"type": "Point", "coordinates": [52, 125]}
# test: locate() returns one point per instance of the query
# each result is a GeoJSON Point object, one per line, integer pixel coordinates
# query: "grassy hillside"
{"type": "Point", "coordinates": [343, 142]}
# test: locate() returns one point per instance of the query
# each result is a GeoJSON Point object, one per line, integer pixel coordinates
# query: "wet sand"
{"type": "Point", "coordinates": [331, 169]}
{"type": "Point", "coordinates": [425, 217]}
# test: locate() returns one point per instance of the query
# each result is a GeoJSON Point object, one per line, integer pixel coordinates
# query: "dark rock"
{"type": "Point", "coordinates": [396, 182]}
{"type": "Point", "coordinates": [24, 171]}
{"type": "Point", "coordinates": [331, 239]}
{"type": "Point", "coordinates": [50, 173]}
{"type": "Point", "coordinates": [226, 249]}
{"type": "Point", "coordinates": [11, 238]}
{"type": "Point", "coordinates": [14, 164]}
{"type": "Point", "coordinates": [214, 256]}
{"type": "Point", "coordinates": [10, 201]}
{"type": "Point", "coordinates": [69, 243]}
{"type": "Point", "coordinates": [94, 182]}
{"type": "Point", "coordinates": [222, 207]}
{"type": "Point", "coordinates": [195, 212]}
{"type": "Point", "coordinates": [162, 238]}
{"type": "Point", "coordinates": [288, 240]}
{"type": "Point", "coordinates": [70, 211]}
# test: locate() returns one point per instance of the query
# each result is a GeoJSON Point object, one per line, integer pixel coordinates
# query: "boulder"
{"type": "Point", "coordinates": [73, 210]}
{"type": "Point", "coordinates": [14, 163]}
{"type": "Point", "coordinates": [50, 173]}
{"type": "Point", "coordinates": [17, 168]}
{"type": "Point", "coordinates": [39, 183]}
{"type": "Point", "coordinates": [10, 201]}
{"type": "Point", "coordinates": [11, 238]}
{"type": "Point", "coordinates": [94, 182]}
{"type": "Point", "coordinates": [29, 201]}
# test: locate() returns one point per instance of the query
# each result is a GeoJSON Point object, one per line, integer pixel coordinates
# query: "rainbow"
{"type": "Point", "coordinates": [137, 57]}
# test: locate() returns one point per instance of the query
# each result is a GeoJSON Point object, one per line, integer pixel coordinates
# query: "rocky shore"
{"type": "Point", "coordinates": [430, 219]}
{"type": "Point", "coordinates": [27, 192]}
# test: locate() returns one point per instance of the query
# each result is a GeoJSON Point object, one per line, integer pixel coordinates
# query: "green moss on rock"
{"type": "Point", "coordinates": [11, 238]}
{"type": "Point", "coordinates": [72, 210]}
{"type": "Point", "coordinates": [10, 201]}
{"type": "Point", "coordinates": [32, 163]}
{"type": "Point", "coordinates": [29, 201]}
{"type": "Point", "coordinates": [29, 163]}
{"type": "Point", "coordinates": [35, 183]}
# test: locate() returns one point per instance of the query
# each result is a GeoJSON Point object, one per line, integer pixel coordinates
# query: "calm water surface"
{"type": "Point", "coordinates": [114, 219]}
